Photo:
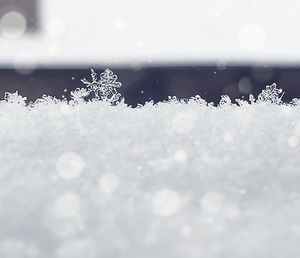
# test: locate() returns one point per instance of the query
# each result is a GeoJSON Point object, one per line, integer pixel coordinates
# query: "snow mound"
{"type": "Point", "coordinates": [175, 179]}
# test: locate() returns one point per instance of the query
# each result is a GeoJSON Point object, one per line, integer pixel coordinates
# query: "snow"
{"type": "Point", "coordinates": [175, 179]}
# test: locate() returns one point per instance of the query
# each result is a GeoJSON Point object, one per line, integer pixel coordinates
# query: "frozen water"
{"type": "Point", "coordinates": [172, 180]}
{"type": "Point", "coordinates": [105, 88]}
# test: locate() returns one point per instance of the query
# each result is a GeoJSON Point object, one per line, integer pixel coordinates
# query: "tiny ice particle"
{"type": "Point", "coordinates": [180, 156]}
{"type": "Point", "coordinates": [211, 202]}
{"type": "Point", "coordinates": [166, 202]}
{"type": "Point", "coordinates": [108, 183]}
{"type": "Point", "coordinates": [69, 165]}
{"type": "Point", "coordinates": [293, 141]}
{"type": "Point", "coordinates": [67, 205]}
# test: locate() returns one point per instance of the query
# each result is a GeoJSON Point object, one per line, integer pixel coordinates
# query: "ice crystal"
{"type": "Point", "coordinates": [225, 100]}
{"type": "Point", "coordinates": [79, 94]}
{"type": "Point", "coordinates": [251, 99]}
{"type": "Point", "coordinates": [15, 98]}
{"type": "Point", "coordinates": [271, 95]}
{"type": "Point", "coordinates": [295, 102]}
{"type": "Point", "coordinates": [46, 100]}
{"type": "Point", "coordinates": [104, 88]}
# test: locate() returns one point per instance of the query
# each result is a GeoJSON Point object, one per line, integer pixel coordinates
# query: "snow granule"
{"type": "Point", "coordinates": [171, 180]}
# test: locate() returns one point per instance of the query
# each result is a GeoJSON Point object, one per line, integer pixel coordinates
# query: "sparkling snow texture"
{"type": "Point", "coordinates": [177, 179]}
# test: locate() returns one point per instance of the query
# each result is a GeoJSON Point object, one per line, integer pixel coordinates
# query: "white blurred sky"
{"type": "Point", "coordinates": [159, 32]}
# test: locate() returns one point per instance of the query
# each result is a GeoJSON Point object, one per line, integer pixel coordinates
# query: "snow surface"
{"type": "Point", "coordinates": [176, 179]}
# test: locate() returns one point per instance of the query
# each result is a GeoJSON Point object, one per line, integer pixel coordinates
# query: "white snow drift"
{"type": "Point", "coordinates": [172, 180]}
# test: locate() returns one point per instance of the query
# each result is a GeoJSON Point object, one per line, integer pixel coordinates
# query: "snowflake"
{"type": "Point", "coordinates": [271, 95]}
{"type": "Point", "coordinates": [79, 94]}
{"type": "Point", "coordinates": [104, 88]}
{"type": "Point", "coordinates": [225, 100]}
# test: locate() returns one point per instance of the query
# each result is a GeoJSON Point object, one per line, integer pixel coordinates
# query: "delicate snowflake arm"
{"type": "Point", "coordinates": [94, 75]}
{"type": "Point", "coordinates": [271, 95]}
{"type": "Point", "coordinates": [85, 81]}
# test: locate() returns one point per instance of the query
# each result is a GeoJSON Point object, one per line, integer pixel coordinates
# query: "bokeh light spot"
{"type": "Point", "coordinates": [13, 25]}
{"type": "Point", "coordinates": [69, 165]}
{"type": "Point", "coordinates": [108, 183]}
{"type": "Point", "coordinates": [166, 202]}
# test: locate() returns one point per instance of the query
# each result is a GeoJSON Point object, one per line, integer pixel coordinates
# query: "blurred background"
{"type": "Point", "coordinates": [157, 48]}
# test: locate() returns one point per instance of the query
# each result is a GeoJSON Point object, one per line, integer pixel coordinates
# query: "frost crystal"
{"type": "Point", "coordinates": [104, 88]}
{"type": "Point", "coordinates": [15, 98]}
{"type": "Point", "coordinates": [271, 95]}
{"type": "Point", "coordinates": [79, 94]}
{"type": "Point", "coordinates": [225, 100]}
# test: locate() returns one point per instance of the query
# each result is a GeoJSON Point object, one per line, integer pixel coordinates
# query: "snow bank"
{"type": "Point", "coordinates": [177, 179]}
